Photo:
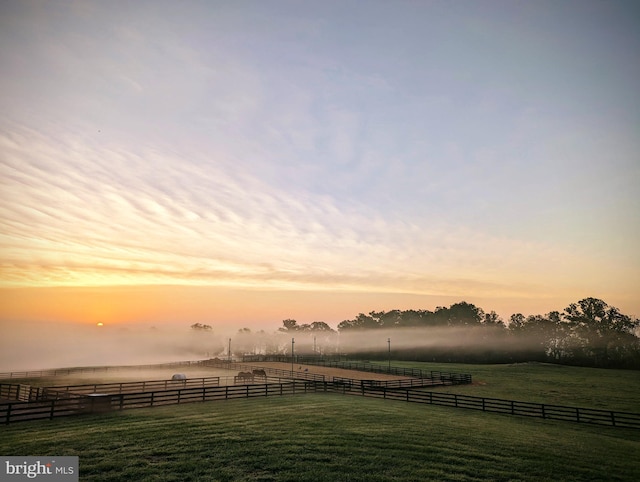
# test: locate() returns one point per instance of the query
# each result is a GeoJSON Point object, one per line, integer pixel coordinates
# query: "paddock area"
{"type": "Point", "coordinates": [329, 372]}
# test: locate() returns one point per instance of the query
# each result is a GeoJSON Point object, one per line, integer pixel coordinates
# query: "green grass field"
{"type": "Point", "coordinates": [617, 390]}
{"type": "Point", "coordinates": [333, 437]}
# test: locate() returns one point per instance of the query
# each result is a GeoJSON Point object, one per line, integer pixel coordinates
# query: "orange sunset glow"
{"type": "Point", "coordinates": [210, 165]}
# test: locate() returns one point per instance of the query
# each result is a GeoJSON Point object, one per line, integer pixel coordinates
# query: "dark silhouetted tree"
{"type": "Point", "coordinates": [201, 327]}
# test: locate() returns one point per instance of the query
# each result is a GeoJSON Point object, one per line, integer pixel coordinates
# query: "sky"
{"type": "Point", "coordinates": [243, 162]}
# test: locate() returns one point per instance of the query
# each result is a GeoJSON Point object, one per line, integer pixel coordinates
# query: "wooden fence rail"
{"type": "Point", "coordinates": [354, 384]}
{"type": "Point", "coordinates": [75, 404]}
{"type": "Point", "coordinates": [298, 375]}
{"type": "Point", "coordinates": [78, 404]}
{"type": "Point", "coordinates": [456, 378]}
{"type": "Point", "coordinates": [120, 387]}
{"type": "Point", "coordinates": [510, 407]}
{"type": "Point", "coordinates": [19, 392]}
{"type": "Point", "coordinates": [68, 371]}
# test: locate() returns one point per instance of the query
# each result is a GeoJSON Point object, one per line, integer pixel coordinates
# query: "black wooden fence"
{"type": "Point", "coordinates": [495, 405]}
{"type": "Point", "coordinates": [92, 369]}
{"type": "Point", "coordinates": [18, 391]}
{"type": "Point", "coordinates": [354, 383]}
{"type": "Point", "coordinates": [65, 401]}
{"type": "Point", "coordinates": [295, 374]}
{"type": "Point", "coordinates": [78, 404]}
{"type": "Point", "coordinates": [122, 387]}
{"type": "Point", "coordinates": [455, 378]}
{"type": "Point", "coordinates": [75, 404]}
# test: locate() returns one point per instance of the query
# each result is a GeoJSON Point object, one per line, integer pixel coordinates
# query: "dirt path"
{"type": "Point", "coordinates": [331, 372]}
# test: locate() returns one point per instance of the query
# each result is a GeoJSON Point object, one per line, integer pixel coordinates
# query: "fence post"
{"type": "Point", "coordinates": [8, 413]}
{"type": "Point", "coordinates": [577, 414]}
{"type": "Point", "coordinates": [53, 405]}
{"type": "Point", "coordinates": [204, 391]}
{"type": "Point", "coordinates": [613, 419]}
{"type": "Point", "coordinates": [152, 394]}
{"type": "Point", "coordinates": [544, 415]}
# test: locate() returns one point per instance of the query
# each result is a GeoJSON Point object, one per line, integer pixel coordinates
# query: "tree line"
{"type": "Point", "coordinates": [587, 333]}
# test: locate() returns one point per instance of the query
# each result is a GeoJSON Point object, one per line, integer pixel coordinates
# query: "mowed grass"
{"type": "Point", "coordinates": [616, 390]}
{"type": "Point", "coordinates": [327, 437]}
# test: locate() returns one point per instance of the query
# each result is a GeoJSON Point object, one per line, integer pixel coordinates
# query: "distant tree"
{"type": "Point", "coordinates": [540, 337]}
{"type": "Point", "coordinates": [289, 325]}
{"type": "Point", "coordinates": [320, 326]}
{"type": "Point", "coordinates": [201, 327]}
{"type": "Point", "coordinates": [464, 313]}
{"type": "Point", "coordinates": [516, 322]}
{"type": "Point", "coordinates": [361, 322]}
{"type": "Point", "coordinates": [412, 318]}
{"type": "Point", "coordinates": [603, 336]}
{"type": "Point", "coordinates": [492, 319]}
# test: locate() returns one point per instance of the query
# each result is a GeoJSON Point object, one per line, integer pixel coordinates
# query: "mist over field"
{"type": "Point", "coordinates": [589, 332]}
{"type": "Point", "coordinates": [34, 345]}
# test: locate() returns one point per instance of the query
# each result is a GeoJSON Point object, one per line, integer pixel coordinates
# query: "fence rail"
{"type": "Point", "coordinates": [404, 383]}
{"type": "Point", "coordinates": [510, 407]}
{"type": "Point", "coordinates": [19, 392]}
{"type": "Point", "coordinates": [46, 409]}
{"type": "Point", "coordinates": [121, 387]}
{"type": "Point", "coordinates": [68, 371]}
{"type": "Point", "coordinates": [77, 404]}
{"type": "Point", "coordinates": [92, 403]}
{"type": "Point", "coordinates": [455, 378]}
{"type": "Point", "coordinates": [298, 375]}
{"type": "Point", "coordinates": [69, 400]}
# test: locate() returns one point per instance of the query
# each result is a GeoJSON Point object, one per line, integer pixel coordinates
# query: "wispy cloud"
{"type": "Point", "coordinates": [79, 215]}
{"type": "Point", "coordinates": [268, 147]}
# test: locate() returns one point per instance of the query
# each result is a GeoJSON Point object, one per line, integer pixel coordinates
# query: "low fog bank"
{"type": "Point", "coordinates": [588, 333]}
{"type": "Point", "coordinates": [43, 345]}
{"type": "Point", "coordinates": [442, 338]}
{"type": "Point", "coordinates": [32, 346]}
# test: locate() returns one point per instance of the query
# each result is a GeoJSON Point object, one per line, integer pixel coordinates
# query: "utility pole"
{"type": "Point", "coordinates": [389, 342]}
{"type": "Point", "coordinates": [293, 341]}
{"type": "Point", "coordinates": [229, 351]}
{"type": "Point", "coordinates": [314, 345]}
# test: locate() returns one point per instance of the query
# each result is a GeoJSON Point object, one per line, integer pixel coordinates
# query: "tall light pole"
{"type": "Point", "coordinates": [389, 342]}
{"type": "Point", "coordinates": [293, 341]}
{"type": "Point", "coordinates": [229, 351]}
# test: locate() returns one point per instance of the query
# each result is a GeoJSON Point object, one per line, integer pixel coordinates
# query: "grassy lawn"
{"type": "Point", "coordinates": [617, 390]}
{"type": "Point", "coordinates": [326, 437]}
